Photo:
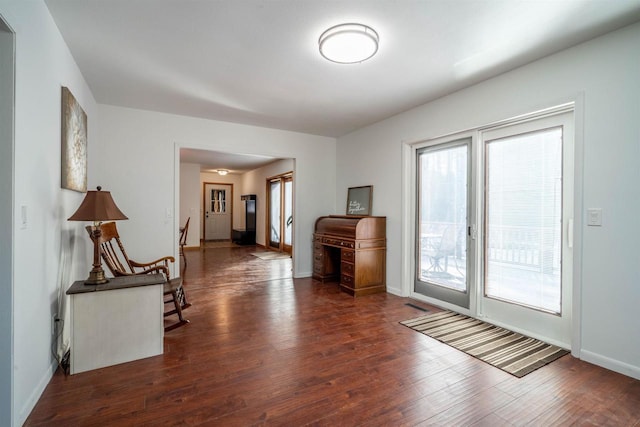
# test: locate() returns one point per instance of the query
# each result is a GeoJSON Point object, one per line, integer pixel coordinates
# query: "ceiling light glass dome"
{"type": "Point", "coordinates": [348, 43]}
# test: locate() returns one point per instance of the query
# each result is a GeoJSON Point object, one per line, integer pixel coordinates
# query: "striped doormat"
{"type": "Point", "coordinates": [504, 349]}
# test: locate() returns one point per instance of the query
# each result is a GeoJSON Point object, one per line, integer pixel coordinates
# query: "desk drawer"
{"type": "Point", "coordinates": [338, 242]}
{"type": "Point", "coordinates": [346, 280]}
{"type": "Point", "coordinates": [347, 268]}
{"type": "Point", "coordinates": [348, 255]}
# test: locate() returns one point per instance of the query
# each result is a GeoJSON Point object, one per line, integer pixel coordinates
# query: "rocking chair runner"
{"type": "Point", "coordinates": [118, 262]}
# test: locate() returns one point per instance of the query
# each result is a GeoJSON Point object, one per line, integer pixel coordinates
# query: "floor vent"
{"type": "Point", "coordinates": [416, 307]}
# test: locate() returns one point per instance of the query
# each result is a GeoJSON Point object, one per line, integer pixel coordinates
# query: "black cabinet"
{"type": "Point", "coordinates": [247, 235]}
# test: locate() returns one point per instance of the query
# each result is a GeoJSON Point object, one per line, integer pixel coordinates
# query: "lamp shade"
{"type": "Point", "coordinates": [97, 206]}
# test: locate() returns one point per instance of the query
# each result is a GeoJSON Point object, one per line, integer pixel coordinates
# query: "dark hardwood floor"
{"type": "Point", "coordinates": [263, 349]}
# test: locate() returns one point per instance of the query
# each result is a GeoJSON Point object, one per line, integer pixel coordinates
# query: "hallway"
{"type": "Point", "coordinates": [223, 264]}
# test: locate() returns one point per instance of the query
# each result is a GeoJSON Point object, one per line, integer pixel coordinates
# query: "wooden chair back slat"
{"type": "Point", "coordinates": [117, 260]}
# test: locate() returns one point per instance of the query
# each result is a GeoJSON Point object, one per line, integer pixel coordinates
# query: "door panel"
{"type": "Point", "coordinates": [218, 199]}
{"type": "Point", "coordinates": [288, 214]}
{"type": "Point", "coordinates": [528, 208]}
{"type": "Point", "coordinates": [274, 214]}
{"type": "Point", "coordinates": [443, 207]}
{"type": "Point", "coordinates": [280, 216]}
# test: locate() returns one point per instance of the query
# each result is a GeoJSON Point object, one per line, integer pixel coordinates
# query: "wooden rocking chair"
{"type": "Point", "coordinates": [118, 262]}
{"type": "Point", "coordinates": [183, 240]}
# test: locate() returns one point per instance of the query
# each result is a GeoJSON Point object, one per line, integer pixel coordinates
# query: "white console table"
{"type": "Point", "coordinates": [116, 322]}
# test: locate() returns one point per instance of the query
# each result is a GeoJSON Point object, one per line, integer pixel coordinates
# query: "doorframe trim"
{"type": "Point", "coordinates": [578, 208]}
{"type": "Point", "coordinates": [7, 332]}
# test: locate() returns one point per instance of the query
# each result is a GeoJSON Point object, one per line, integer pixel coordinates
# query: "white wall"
{"type": "Point", "coordinates": [190, 201]}
{"type": "Point", "coordinates": [139, 163]}
{"type": "Point", "coordinates": [605, 72]}
{"type": "Point", "coordinates": [50, 252]}
{"type": "Point", "coordinates": [255, 182]}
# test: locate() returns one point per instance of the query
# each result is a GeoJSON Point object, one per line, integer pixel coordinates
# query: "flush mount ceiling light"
{"type": "Point", "coordinates": [348, 43]}
{"type": "Point", "coordinates": [222, 172]}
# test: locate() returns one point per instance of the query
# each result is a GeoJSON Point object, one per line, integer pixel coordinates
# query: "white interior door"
{"type": "Point", "coordinates": [527, 247]}
{"type": "Point", "coordinates": [217, 211]}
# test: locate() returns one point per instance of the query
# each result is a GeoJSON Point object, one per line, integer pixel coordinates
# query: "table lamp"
{"type": "Point", "coordinates": [97, 206]}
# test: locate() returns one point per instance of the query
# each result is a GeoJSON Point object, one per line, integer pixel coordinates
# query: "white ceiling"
{"type": "Point", "coordinates": [257, 62]}
{"type": "Point", "coordinates": [214, 160]}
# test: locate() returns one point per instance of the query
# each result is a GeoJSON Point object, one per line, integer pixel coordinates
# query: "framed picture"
{"type": "Point", "coordinates": [359, 200]}
{"type": "Point", "coordinates": [74, 144]}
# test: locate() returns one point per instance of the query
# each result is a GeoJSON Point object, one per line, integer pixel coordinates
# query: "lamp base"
{"type": "Point", "coordinates": [96, 277]}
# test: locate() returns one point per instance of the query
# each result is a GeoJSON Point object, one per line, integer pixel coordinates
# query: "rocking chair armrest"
{"type": "Point", "coordinates": [164, 260]}
{"type": "Point", "coordinates": [155, 269]}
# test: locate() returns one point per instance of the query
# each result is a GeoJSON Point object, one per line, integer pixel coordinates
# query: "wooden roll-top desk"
{"type": "Point", "coordinates": [351, 249]}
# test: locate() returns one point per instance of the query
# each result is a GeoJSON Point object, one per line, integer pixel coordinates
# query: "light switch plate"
{"type": "Point", "coordinates": [23, 217]}
{"type": "Point", "coordinates": [594, 217]}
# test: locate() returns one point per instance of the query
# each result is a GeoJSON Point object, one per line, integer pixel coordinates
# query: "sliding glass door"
{"type": "Point", "coordinates": [287, 206]}
{"type": "Point", "coordinates": [280, 217]}
{"type": "Point", "coordinates": [441, 226]}
{"type": "Point", "coordinates": [528, 214]}
{"type": "Point", "coordinates": [493, 225]}
{"type": "Point", "coordinates": [275, 213]}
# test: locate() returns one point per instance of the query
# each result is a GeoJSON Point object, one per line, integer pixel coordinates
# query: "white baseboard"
{"type": "Point", "coordinates": [394, 290]}
{"type": "Point", "coordinates": [302, 275]}
{"type": "Point", "coordinates": [25, 410]}
{"type": "Point", "coordinates": [611, 364]}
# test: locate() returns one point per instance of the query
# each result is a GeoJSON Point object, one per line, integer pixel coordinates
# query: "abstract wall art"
{"type": "Point", "coordinates": [74, 144]}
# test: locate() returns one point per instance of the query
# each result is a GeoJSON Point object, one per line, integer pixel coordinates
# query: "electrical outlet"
{"type": "Point", "coordinates": [54, 324]}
